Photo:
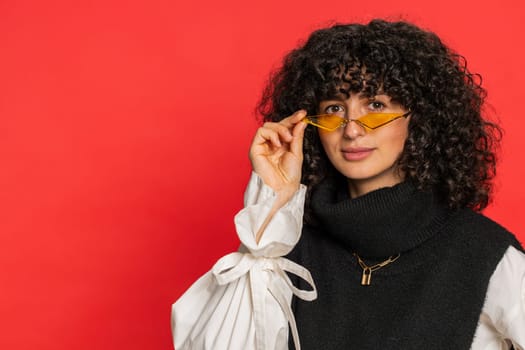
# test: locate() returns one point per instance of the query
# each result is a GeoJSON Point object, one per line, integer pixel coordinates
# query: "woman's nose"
{"type": "Point", "coordinates": [352, 128]}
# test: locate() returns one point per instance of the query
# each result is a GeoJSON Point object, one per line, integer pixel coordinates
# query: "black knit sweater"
{"type": "Point", "coordinates": [429, 298]}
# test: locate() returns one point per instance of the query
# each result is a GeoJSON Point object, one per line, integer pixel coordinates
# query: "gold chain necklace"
{"type": "Point", "coordinates": [367, 270]}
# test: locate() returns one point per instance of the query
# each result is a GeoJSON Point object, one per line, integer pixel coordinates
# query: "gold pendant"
{"type": "Point", "coordinates": [366, 277]}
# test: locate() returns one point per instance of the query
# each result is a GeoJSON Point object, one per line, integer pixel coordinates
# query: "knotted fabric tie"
{"type": "Point", "coordinates": [232, 266]}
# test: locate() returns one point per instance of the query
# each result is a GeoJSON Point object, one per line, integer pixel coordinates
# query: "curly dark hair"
{"type": "Point", "coordinates": [450, 148]}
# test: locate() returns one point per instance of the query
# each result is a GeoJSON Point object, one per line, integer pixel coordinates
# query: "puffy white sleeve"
{"type": "Point", "coordinates": [502, 320]}
{"type": "Point", "coordinates": [244, 301]}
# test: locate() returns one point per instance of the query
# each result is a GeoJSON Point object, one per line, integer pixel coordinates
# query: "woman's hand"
{"type": "Point", "coordinates": [276, 154]}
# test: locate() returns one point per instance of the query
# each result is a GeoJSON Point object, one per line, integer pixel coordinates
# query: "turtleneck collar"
{"type": "Point", "coordinates": [381, 223]}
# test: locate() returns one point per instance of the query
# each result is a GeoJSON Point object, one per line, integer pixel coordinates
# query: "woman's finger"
{"type": "Point", "coordinates": [295, 118]}
{"type": "Point", "coordinates": [275, 130]}
{"type": "Point", "coordinates": [289, 130]}
{"type": "Point", "coordinates": [285, 127]}
{"type": "Point", "coordinates": [296, 146]}
{"type": "Point", "coordinates": [264, 135]}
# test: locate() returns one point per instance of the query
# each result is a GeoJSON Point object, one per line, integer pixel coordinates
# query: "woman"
{"type": "Point", "coordinates": [397, 164]}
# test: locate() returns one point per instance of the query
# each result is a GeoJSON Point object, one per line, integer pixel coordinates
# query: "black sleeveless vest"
{"type": "Point", "coordinates": [429, 298]}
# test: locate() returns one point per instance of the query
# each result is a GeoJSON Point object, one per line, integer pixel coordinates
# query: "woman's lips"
{"type": "Point", "coordinates": [356, 153]}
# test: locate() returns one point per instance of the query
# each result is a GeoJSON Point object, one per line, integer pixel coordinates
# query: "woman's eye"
{"type": "Point", "coordinates": [376, 106]}
{"type": "Point", "coordinates": [334, 109]}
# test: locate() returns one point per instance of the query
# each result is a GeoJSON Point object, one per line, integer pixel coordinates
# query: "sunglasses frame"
{"type": "Point", "coordinates": [311, 119]}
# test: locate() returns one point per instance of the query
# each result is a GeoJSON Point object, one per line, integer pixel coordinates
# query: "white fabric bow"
{"type": "Point", "coordinates": [232, 266]}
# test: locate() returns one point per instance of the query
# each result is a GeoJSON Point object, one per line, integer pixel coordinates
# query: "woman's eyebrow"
{"type": "Point", "coordinates": [331, 101]}
{"type": "Point", "coordinates": [367, 97]}
{"type": "Point", "coordinates": [336, 97]}
{"type": "Point", "coordinates": [381, 96]}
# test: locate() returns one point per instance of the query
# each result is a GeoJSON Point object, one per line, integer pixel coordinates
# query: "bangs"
{"type": "Point", "coordinates": [352, 77]}
{"type": "Point", "coordinates": [365, 78]}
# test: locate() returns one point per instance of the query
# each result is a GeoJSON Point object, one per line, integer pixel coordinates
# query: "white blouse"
{"type": "Point", "coordinates": [502, 320]}
{"type": "Point", "coordinates": [244, 301]}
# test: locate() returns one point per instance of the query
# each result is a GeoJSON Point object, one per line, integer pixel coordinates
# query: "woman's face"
{"type": "Point", "coordinates": [367, 158]}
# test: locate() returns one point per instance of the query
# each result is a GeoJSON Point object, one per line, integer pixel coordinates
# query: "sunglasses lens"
{"type": "Point", "coordinates": [375, 120]}
{"type": "Point", "coordinates": [327, 121]}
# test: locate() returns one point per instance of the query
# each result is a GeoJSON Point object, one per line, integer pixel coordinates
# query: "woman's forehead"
{"type": "Point", "coordinates": [358, 95]}
{"type": "Point", "coordinates": [363, 89]}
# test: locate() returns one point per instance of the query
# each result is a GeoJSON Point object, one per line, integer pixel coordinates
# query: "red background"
{"type": "Point", "coordinates": [124, 134]}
